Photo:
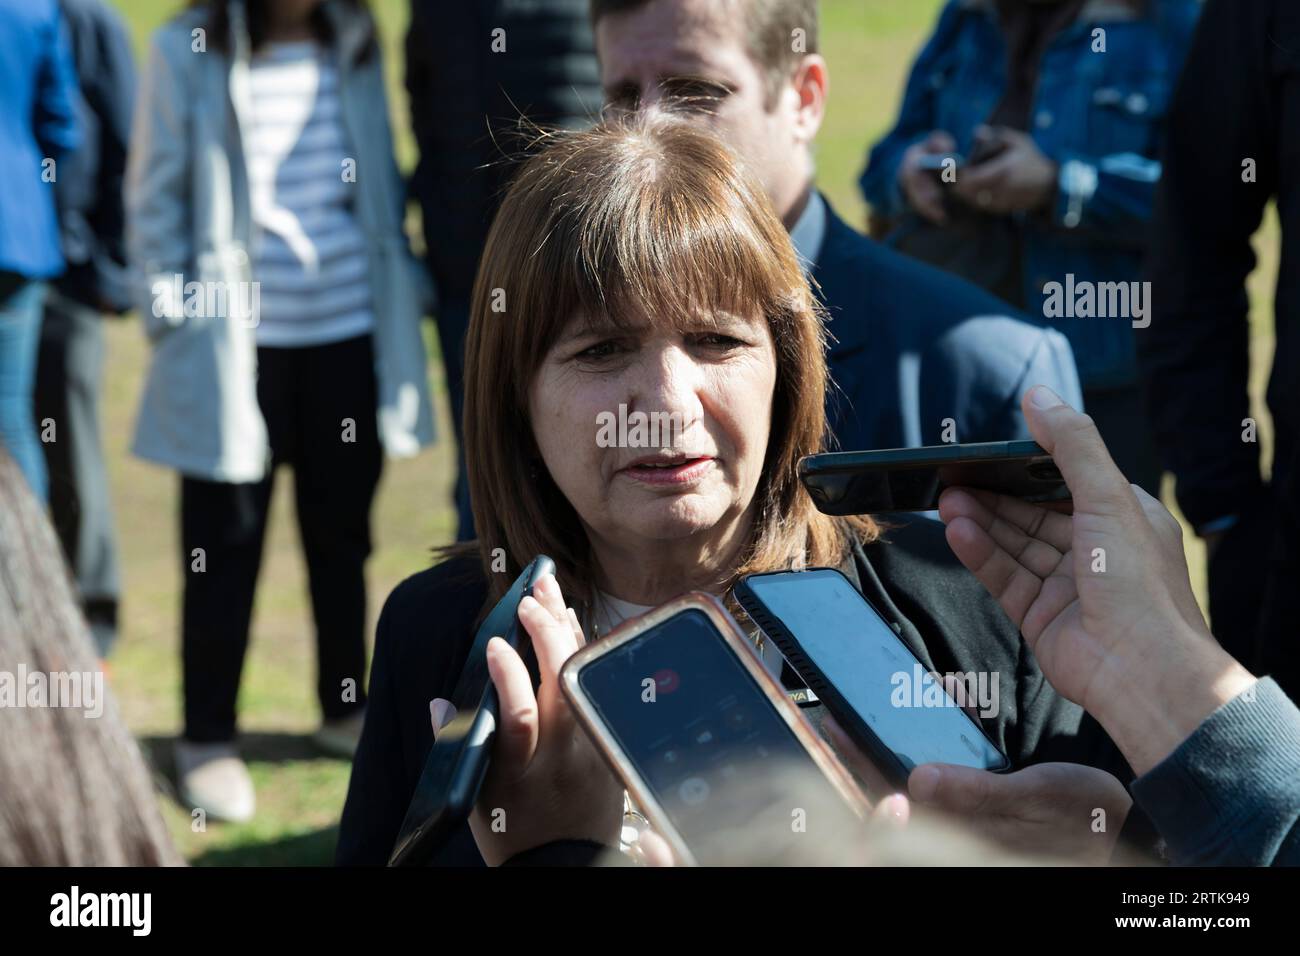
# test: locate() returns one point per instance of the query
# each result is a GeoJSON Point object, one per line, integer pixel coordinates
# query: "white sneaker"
{"type": "Point", "coordinates": [340, 737]}
{"type": "Point", "coordinates": [214, 779]}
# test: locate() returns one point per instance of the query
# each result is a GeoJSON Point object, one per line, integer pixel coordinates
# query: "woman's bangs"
{"type": "Point", "coordinates": [678, 263]}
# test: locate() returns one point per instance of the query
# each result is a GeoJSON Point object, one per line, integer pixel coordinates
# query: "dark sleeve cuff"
{"type": "Point", "coordinates": [1229, 795]}
{"type": "Point", "coordinates": [570, 853]}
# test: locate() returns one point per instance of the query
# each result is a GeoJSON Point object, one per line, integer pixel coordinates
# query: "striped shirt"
{"type": "Point", "coordinates": [308, 253]}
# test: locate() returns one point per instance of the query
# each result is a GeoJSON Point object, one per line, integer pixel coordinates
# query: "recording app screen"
{"type": "Point", "coordinates": [859, 653]}
{"type": "Point", "coordinates": [707, 741]}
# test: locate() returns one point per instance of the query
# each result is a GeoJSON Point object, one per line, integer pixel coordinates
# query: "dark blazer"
{"type": "Point", "coordinates": [90, 185]}
{"type": "Point", "coordinates": [466, 100]}
{"type": "Point", "coordinates": [914, 345]}
{"type": "Point", "coordinates": [1238, 101]}
{"type": "Point", "coordinates": [944, 614]}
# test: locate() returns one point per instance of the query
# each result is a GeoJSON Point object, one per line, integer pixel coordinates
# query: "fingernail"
{"type": "Point", "coordinates": [923, 784]}
{"type": "Point", "coordinates": [438, 712]}
{"type": "Point", "coordinates": [1040, 396]}
{"type": "Point", "coordinates": [896, 806]}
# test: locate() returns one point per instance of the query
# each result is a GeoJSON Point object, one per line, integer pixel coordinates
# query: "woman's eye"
{"type": "Point", "coordinates": [716, 340]}
{"type": "Point", "coordinates": [601, 350]}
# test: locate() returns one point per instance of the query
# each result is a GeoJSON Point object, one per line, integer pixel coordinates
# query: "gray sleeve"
{"type": "Point", "coordinates": [980, 369]}
{"type": "Point", "coordinates": [159, 226]}
{"type": "Point", "coordinates": [1053, 365]}
{"type": "Point", "coordinates": [1230, 794]}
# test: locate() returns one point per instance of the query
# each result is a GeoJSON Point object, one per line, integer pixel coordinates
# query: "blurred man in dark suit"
{"type": "Point", "coordinates": [479, 75]}
{"type": "Point", "coordinates": [917, 356]}
{"type": "Point", "coordinates": [1234, 136]}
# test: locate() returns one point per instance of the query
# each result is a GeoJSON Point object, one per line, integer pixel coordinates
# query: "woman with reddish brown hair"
{"type": "Point", "coordinates": [636, 269]}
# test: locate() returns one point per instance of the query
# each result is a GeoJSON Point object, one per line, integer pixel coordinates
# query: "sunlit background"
{"type": "Point", "coordinates": [868, 44]}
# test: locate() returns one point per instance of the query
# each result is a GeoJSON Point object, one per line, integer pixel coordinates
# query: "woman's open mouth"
{"type": "Point", "coordinates": [669, 471]}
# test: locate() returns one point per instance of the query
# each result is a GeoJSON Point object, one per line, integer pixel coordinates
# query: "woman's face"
{"type": "Point", "coordinates": [656, 434]}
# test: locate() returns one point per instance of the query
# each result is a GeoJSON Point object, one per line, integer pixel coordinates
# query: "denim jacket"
{"type": "Point", "coordinates": [38, 129]}
{"type": "Point", "coordinates": [1098, 115]}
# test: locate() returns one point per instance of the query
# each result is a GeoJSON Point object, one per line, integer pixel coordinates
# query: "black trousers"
{"type": "Point", "coordinates": [319, 405]}
{"type": "Point", "coordinates": [1277, 644]}
{"type": "Point", "coordinates": [1122, 419]}
{"type": "Point", "coordinates": [453, 326]}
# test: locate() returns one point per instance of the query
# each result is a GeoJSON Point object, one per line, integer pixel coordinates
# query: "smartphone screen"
{"type": "Point", "coordinates": [875, 673]}
{"type": "Point", "coordinates": [707, 742]}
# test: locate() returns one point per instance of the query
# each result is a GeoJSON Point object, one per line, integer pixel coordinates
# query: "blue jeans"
{"type": "Point", "coordinates": [22, 302]}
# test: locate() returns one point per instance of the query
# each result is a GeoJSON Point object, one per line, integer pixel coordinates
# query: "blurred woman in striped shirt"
{"type": "Point", "coordinates": [265, 212]}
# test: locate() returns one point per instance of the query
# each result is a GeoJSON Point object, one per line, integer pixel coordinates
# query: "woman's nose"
{"type": "Point", "coordinates": [668, 380]}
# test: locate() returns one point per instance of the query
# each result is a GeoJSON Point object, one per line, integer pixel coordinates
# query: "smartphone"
{"type": "Point", "coordinates": [705, 740]}
{"type": "Point", "coordinates": [911, 479]}
{"type": "Point", "coordinates": [937, 162]}
{"type": "Point", "coordinates": [458, 761]}
{"type": "Point", "coordinates": [898, 713]}
{"type": "Point", "coordinates": [987, 147]}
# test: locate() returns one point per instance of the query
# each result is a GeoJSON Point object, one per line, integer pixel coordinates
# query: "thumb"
{"type": "Point", "coordinates": [960, 790]}
{"type": "Point", "coordinates": [1074, 443]}
{"type": "Point", "coordinates": [518, 725]}
{"type": "Point", "coordinates": [441, 713]}
{"type": "Point", "coordinates": [654, 849]}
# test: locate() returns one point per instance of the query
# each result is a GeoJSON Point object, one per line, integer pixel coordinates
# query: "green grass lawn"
{"type": "Point", "coordinates": [868, 45]}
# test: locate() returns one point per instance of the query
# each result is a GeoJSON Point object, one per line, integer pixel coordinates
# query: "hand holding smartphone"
{"type": "Point", "coordinates": [723, 765]}
{"type": "Point", "coordinates": [458, 761]}
{"type": "Point", "coordinates": [877, 690]}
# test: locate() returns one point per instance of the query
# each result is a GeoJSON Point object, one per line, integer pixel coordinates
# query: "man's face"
{"type": "Point", "coordinates": [696, 49]}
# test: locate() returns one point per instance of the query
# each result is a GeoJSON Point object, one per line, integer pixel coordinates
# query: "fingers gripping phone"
{"type": "Point", "coordinates": [912, 479]}
{"type": "Point", "coordinates": [867, 678]}
{"type": "Point", "coordinates": [706, 742]}
{"type": "Point", "coordinates": [458, 761]}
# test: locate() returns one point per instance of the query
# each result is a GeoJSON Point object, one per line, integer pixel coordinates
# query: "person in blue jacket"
{"type": "Point", "coordinates": [1025, 158]}
{"type": "Point", "coordinates": [917, 357]}
{"type": "Point", "coordinates": [38, 127]}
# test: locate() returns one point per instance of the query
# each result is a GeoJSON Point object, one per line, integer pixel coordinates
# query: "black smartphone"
{"type": "Point", "coordinates": [707, 743]}
{"type": "Point", "coordinates": [938, 162]}
{"type": "Point", "coordinates": [458, 761]}
{"type": "Point", "coordinates": [987, 147]}
{"type": "Point", "coordinates": [911, 479]}
{"type": "Point", "coordinates": [895, 710]}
